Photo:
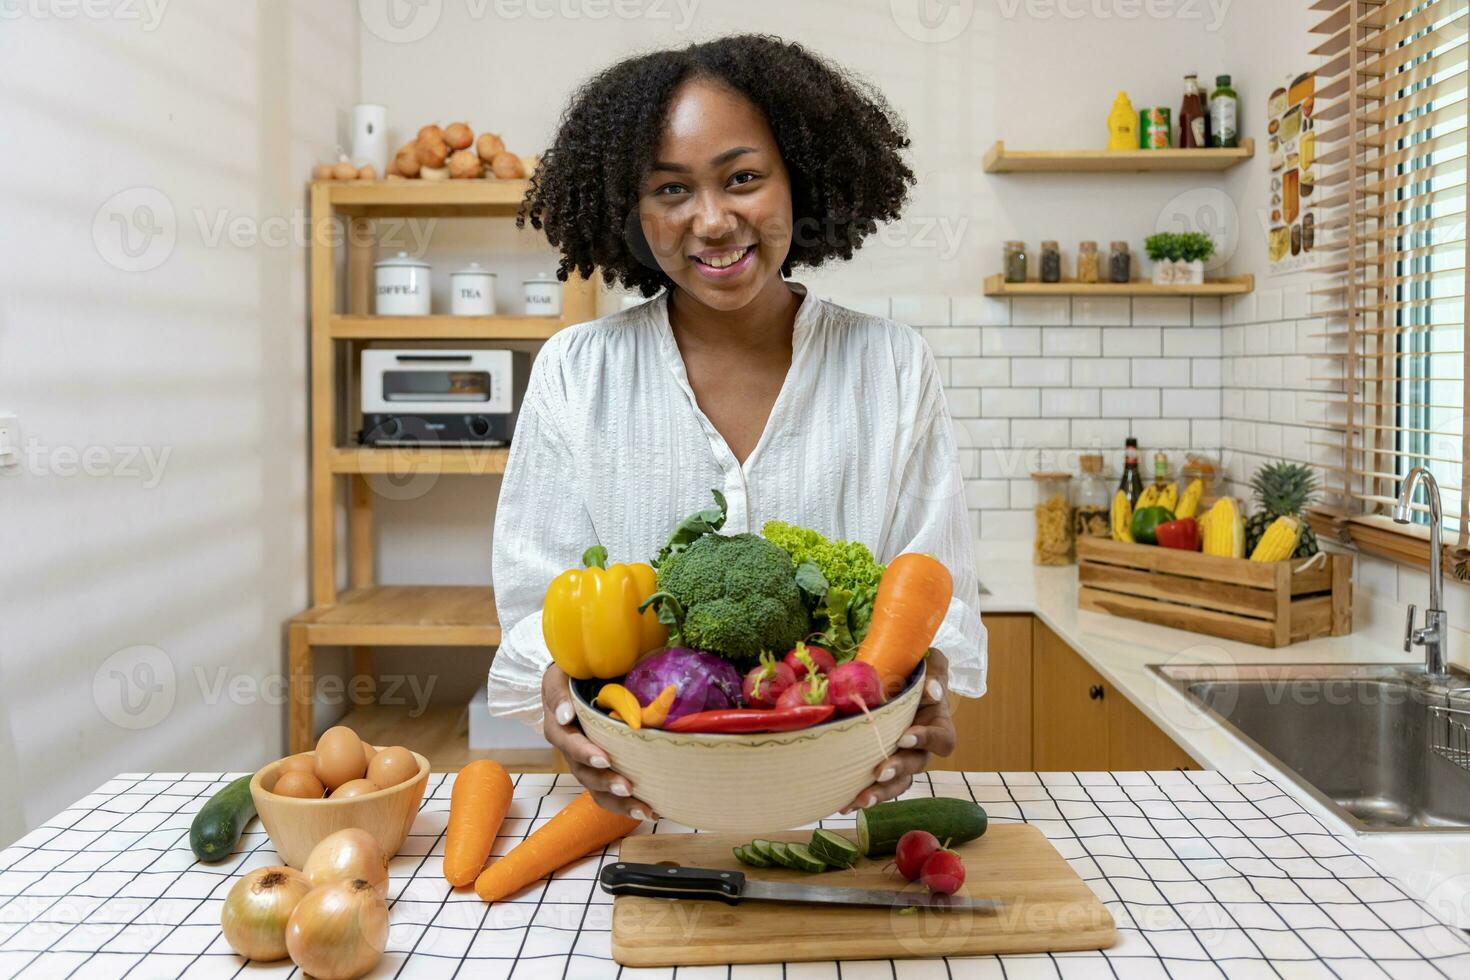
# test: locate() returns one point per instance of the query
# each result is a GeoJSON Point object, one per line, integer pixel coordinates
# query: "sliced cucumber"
{"type": "Point", "coordinates": [762, 847]}
{"type": "Point", "coordinates": [835, 849]}
{"type": "Point", "coordinates": [781, 854]}
{"type": "Point", "coordinates": [746, 854]}
{"type": "Point", "coordinates": [952, 821]}
{"type": "Point", "coordinates": [804, 859]}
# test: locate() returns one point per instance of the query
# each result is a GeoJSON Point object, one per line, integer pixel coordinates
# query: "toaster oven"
{"type": "Point", "coordinates": [454, 397]}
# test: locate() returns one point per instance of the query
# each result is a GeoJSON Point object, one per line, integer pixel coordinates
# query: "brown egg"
{"type": "Point", "coordinates": [407, 162]}
{"type": "Point", "coordinates": [458, 135]}
{"type": "Point", "coordinates": [368, 751]}
{"type": "Point", "coordinates": [464, 165]}
{"type": "Point", "coordinates": [506, 166]}
{"type": "Point", "coordinates": [323, 171]}
{"type": "Point", "coordinates": [392, 766]}
{"type": "Point", "coordinates": [356, 787]}
{"type": "Point", "coordinates": [431, 130]}
{"type": "Point", "coordinates": [301, 762]}
{"type": "Point", "coordinates": [368, 172]}
{"type": "Point", "coordinates": [488, 145]}
{"type": "Point", "coordinates": [432, 152]}
{"type": "Point", "coordinates": [344, 171]}
{"type": "Point", "coordinates": [339, 757]}
{"type": "Point", "coordinates": [300, 785]}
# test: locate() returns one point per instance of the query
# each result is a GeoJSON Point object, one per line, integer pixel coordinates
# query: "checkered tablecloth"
{"type": "Point", "coordinates": [1207, 875]}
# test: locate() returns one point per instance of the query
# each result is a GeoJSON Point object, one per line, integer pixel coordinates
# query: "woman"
{"type": "Point", "coordinates": [709, 173]}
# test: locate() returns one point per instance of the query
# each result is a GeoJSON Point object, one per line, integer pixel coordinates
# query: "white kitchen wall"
{"type": "Point", "coordinates": [152, 344]}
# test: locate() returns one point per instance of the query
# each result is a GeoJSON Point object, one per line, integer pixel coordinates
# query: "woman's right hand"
{"type": "Point", "coordinates": [612, 791]}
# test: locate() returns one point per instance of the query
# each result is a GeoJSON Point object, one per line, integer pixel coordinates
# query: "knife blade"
{"type": "Point", "coordinates": [732, 887]}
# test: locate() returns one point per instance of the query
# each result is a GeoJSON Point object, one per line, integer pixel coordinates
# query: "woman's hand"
{"type": "Point", "coordinates": [589, 763]}
{"type": "Point", "coordinates": [932, 732]}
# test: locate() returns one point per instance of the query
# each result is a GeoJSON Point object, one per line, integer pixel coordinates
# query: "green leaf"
{"type": "Point", "coordinates": [670, 612]}
{"type": "Point", "coordinates": [595, 557]}
{"type": "Point", "coordinates": [694, 527]}
{"type": "Point", "coordinates": [839, 633]}
{"type": "Point", "coordinates": [812, 582]}
{"type": "Point", "coordinates": [860, 614]}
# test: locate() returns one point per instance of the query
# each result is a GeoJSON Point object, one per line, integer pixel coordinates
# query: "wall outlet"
{"type": "Point", "coordinates": [9, 440]}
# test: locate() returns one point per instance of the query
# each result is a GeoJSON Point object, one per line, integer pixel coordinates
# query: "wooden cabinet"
{"type": "Point", "coordinates": [1136, 743]}
{"type": "Point", "coordinates": [995, 731]}
{"type": "Point", "coordinates": [1069, 709]}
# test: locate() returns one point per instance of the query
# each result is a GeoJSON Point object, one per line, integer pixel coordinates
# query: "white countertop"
{"type": "Point", "coordinates": [1435, 866]}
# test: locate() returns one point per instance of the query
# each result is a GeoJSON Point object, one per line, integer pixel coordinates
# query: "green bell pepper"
{"type": "Point", "coordinates": [1145, 520]}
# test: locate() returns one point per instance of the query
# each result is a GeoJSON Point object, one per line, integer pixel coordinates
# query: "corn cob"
{"type": "Point", "coordinates": [1121, 517]}
{"type": "Point", "coordinates": [1225, 530]}
{"type": "Point", "coordinates": [1189, 503]}
{"type": "Point", "coordinates": [1149, 497]}
{"type": "Point", "coordinates": [1279, 541]}
{"type": "Point", "coordinates": [1169, 497]}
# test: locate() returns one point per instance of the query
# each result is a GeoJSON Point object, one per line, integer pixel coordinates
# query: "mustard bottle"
{"type": "Point", "coordinates": [1122, 124]}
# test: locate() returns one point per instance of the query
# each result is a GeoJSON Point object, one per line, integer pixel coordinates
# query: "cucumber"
{"type": "Point", "coordinates": [763, 848]}
{"type": "Point", "coordinates": [746, 854]}
{"type": "Point", "coordinates": [804, 859]}
{"type": "Point", "coordinates": [835, 849]}
{"type": "Point", "coordinates": [952, 821]}
{"type": "Point", "coordinates": [218, 824]}
{"type": "Point", "coordinates": [781, 854]}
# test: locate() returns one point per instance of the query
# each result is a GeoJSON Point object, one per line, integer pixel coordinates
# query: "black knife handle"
{"type": "Point", "coordinates": [667, 881]}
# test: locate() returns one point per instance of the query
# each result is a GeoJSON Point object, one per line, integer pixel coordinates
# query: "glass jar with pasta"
{"type": "Point", "coordinates": [1055, 539]}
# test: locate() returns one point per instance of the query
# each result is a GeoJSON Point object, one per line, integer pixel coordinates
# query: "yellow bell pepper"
{"type": "Point", "coordinates": [590, 619]}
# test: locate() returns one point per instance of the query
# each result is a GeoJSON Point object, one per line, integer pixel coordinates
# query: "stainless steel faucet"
{"type": "Point", "coordinates": [1432, 636]}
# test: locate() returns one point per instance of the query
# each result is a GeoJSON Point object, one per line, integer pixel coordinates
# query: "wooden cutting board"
{"type": "Point", "coordinates": [1049, 908]}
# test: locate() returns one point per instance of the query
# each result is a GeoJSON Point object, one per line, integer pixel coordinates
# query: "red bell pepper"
{"type": "Point", "coordinates": [1182, 534]}
{"type": "Point", "coordinates": [745, 721]}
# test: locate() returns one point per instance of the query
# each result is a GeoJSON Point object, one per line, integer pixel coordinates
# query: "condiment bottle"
{"type": "Point", "coordinates": [1132, 483]}
{"type": "Point", "coordinates": [1122, 124]}
{"type": "Point", "coordinates": [1055, 544]}
{"type": "Point", "coordinates": [1162, 476]}
{"type": "Point", "coordinates": [1051, 262]}
{"type": "Point", "coordinates": [1087, 262]}
{"type": "Point", "coordinates": [1224, 114]}
{"type": "Point", "coordinates": [1120, 263]}
{"type": "Point", "coordinates": [1092, 499]}
{"type": "Point", "coordinates": [1194, 127]}
{"type": "Point", "coordinates": [1014, 256]}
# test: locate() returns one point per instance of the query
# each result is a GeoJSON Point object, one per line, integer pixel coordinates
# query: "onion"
{"type": "Point", "coordinates": [338, 931]}
{"type": "Point", "coordinates": [255, 914]}
{"type": "Point", "coordinates": [348, 855]}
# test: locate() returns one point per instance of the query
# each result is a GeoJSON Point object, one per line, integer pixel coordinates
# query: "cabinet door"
{"type": "Point", "coordinates": [1069, 707]}
{"type": "Point", "coordinates": [995, 731]}
{"type": "Point", "coordinates": [1135, 743]}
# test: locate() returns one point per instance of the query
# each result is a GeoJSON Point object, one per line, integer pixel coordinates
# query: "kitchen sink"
{"type": "Point", "coordinates": [1378, 744]}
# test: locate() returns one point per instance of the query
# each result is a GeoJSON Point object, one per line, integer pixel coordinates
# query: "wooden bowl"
{"type": "Point", "coordinates": [296, 826]}
{"type": "Point", "coordinates": [753, 783]}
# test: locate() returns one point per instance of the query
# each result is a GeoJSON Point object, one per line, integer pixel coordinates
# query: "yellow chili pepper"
{"type": "Point", "coordinates": [590, 619]}
{"type": "Point", "coordinates": [656, 712]}
{"type": "Point", "coordinates": [621, 700]}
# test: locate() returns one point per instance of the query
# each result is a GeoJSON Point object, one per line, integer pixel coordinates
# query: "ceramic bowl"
{"type": "Point", "coordinates": [752, 783]}
{"type": "Point", "coordinates": [296, 826]}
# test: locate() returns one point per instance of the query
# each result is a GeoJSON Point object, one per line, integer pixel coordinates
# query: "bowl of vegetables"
{"type": "Point", "coordinates": [747, 682]}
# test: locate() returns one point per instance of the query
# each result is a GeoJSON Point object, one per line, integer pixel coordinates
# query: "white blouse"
{"type": "Point", "coordinates": [611, 448]}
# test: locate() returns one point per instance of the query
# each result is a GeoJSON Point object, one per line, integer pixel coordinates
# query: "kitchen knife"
{"type": "Point", "coordinates": [732, 887]}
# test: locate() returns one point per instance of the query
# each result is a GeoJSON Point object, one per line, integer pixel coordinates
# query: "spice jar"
{"type": "Point", "coordinates": [1015, 261]}
{"type": "Point", "coordinates": [1054, 541]}
{"type": "Point", "coordinates": [1087, 262]}
{"type": "Point", "coordinates": [1120, 263]}
{"type": "Point", "coordinates": [1092, 500]}
{"type": "Point", "coordinates": [1206, 471]}
{"type": "Point", "coordinates": [1051, 262]}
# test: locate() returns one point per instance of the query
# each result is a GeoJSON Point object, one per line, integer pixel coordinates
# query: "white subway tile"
{"type": "Point", "coordinates": [1205, 434]}
{"type": "Point", "coordinates": [1130, 403]}
{"type": "Point", "coordinates": [1258, 339]}
{"type": "Point", "coordinates": [1069, 402]}
{"type": "Point", "coordinates": [1010, 341]}
{"type": "Point", "coordinates": [969, 463]}
{"type": "Point", "coordinates": [1161, 311]}
{"type": "Point", "coordinates": [1131, 342]}
{"type": "Point", "coordinates": [1207, 311]}
{"type": "Point", "coordinates": [1158, 372]}
{"type": "Point", "coordinates": [1166, 434]}
{"type": "Point", "coordinates": [1270, 371]}
{"type": "Point", "coordinates": [953, 341]}
{"type": "Point", "coordinates": [980, 372]}
{"type": "Point", "coordinates": [1240, 436]}
{"type": "Point", "coordinates": [1283, 337]}
{"type": "Point", "coordinates": [1192, 403]}
{"type": "Point", "coordinates": [1298, 368]}
{"type": "Point", "coordinates": [1041, 311]}
{"type": "Point", "coordinates": [1308, 339]}
{"type": "Point", "coordinates": [987, 494]}
{"type": "Point", "coordinates": [1071, 342]}
{"type": "Point", "coordinates": [1245, 309]}
{"type": "Point", "coordinates": [979, 311]}
{"type": "Point", "coordinates": [1268, 439]}
{"type": "Point", "coordinates": [941, 366]}
{"type": "Point", "coordinates": [1269, 305]}
{"type": "Point", "coordinates": [1100, 372]}
{"type": "Point", "coordinates": [1101, 311]}
{"type": "Point", "coordinates": [871, 305]}
{"type": "Point", "coordinates": [1023, 494]}
{"type": "Point", "coordinates": [1010, 402]}
{"type": "Point", "coordinates": [1041, 433]}
{"type": "Point", "coordinates": [920, 309]}
{"type": "Point", "coordinates": [982, 433]}
{"type": "Point", "coordinates": [1233, 402]}
{"type": "Point", "coordinates": [964, 403]}
{"type": "Point", "coordinates": [1042, 372]}
{"type": "Point", "coordinates": [1283, 405]}
{"type": "Point", "coordinates": [1192, 342]}
{"type": "Point", "coordinates": [1099, 433]}
{"type": "Point", "coordinates": [1007, 525]}
{"type": "Point", "coordinates": [1296, 442]}
{"type": "Point", "coordinates": [1295, 302]}
{"type": "Point", "coordinates": [1232, 341]}
{"type": "Point", "coordinates": [1205, 372]}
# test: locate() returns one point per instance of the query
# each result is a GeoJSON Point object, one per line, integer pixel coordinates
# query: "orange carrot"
{"type": "Point", "coordinates": [579, 829]}
{"type": "Point", "coordinates": [477, 807]}
{"type": "Point", "coordinates": [913, 597]}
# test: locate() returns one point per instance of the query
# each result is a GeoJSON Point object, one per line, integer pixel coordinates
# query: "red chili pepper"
{"type": "Point", "coordinates": [744, 721]}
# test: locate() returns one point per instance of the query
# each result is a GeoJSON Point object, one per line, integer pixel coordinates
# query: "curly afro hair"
{"type": "Point", "coordinates": [839, 139]}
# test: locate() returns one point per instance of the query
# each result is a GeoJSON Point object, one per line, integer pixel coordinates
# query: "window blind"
{"type": "Point", "coordinates": [1390, 138]}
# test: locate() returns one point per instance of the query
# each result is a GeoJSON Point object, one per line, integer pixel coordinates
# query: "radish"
{"type": "Point", "coordinates": [914, 848]}
{"type": "Point", "coordinates": [854, 687]}
{"type": "Point", "coordinates": [943, 873]}
{"type": "Point", "coordinates": [764, 684]}
{"type": "Point", "coordinates": [812, 691]}
{"type": "Point", "coordinates": [802, 654]}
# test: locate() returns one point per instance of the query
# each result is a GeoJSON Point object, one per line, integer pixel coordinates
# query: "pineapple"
{"type": "Point", "coordinates": [1282, 489]}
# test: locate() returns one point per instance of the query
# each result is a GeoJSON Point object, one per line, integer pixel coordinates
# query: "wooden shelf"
{"type": "Point", "coordinates": [1232, 286]}
{"type": "Point", "coordinates": [441, 734]}
{"type": "Point", "coordinates": [444, 327]}
{"type": "Point", "coordinates": [405, 615]}
{"type": "Point", "coordinates": [416, 460]}
{"type": "Point", "coordinates": [999, 160]}
{"type": "Point", "coordinates": [427, 198]}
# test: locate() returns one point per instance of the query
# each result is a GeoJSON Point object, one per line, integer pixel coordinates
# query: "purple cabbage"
{"type": "Point", "coordinates": [704, 682]}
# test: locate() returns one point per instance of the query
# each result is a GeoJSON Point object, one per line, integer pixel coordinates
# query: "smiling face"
{"type": "Point", "coordinates": [715, 206]}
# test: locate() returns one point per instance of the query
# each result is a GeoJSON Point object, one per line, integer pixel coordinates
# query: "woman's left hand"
{"type": "Point", "coordinates": [932, 732]}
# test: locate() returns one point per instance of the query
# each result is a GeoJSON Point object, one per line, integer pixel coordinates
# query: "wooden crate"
{"type": "Point", "coordinates": [1270, 604]}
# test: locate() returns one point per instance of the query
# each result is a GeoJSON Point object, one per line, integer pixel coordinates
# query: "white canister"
{"type": "Point", "coordinates": [472, 291]}
{"type": "Point", "coordinates": [370, 137]}
{"type": "Point", "coordinates": [401, 286]}
{"type": "Point", "coordinates": [543, 296]}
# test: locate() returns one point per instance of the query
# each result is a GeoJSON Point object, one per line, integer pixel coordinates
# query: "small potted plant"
{"type": "Point", "coordinates": [1195, 249]}
{"type": "Point", "coordinates": [1164, 251]}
